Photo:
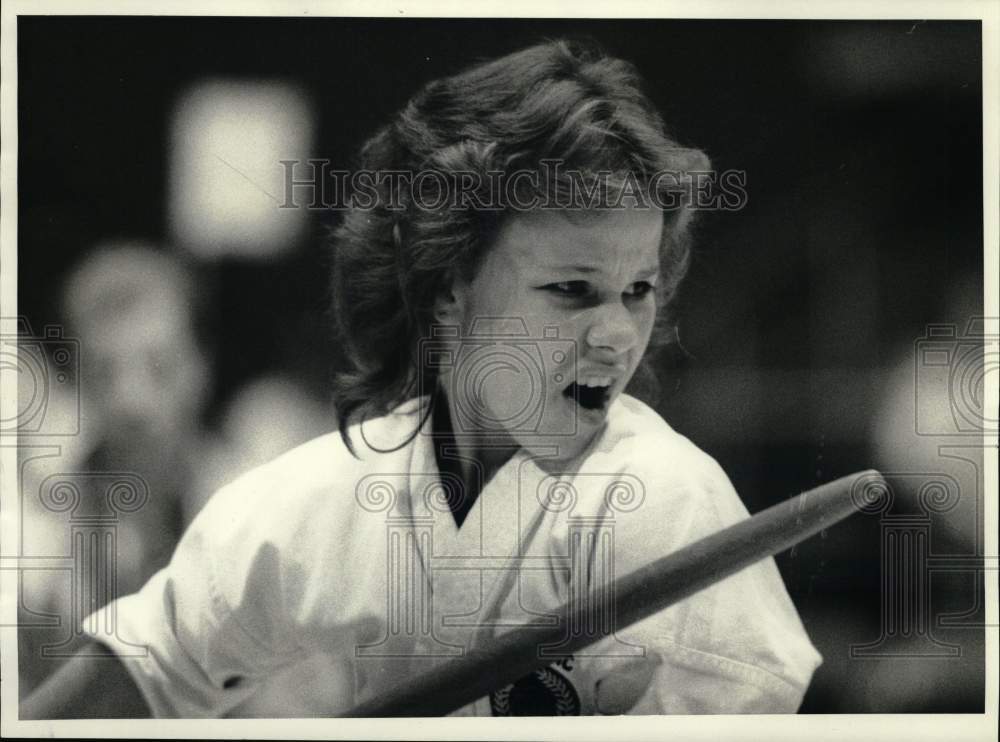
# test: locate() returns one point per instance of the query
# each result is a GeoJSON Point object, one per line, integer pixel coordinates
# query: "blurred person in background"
{"type": "Point", "coordinates": [144, 383]}
{"type": "Point", "coordinates": [148, 379]}
{"type": "Point", "coordinates": [145, 377]}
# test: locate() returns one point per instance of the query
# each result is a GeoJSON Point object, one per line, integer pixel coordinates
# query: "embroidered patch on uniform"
{"type": "Point", "coordinates": [544, 692]}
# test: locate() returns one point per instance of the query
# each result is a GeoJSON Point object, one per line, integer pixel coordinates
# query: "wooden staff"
{"type": "Point", "coordinates": [640, 594]}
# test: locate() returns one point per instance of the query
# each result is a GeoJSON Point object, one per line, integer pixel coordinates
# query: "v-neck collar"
{"type": "Point", "coordinates": [495, 535]}
{"type": "Point", "coordinates": [460, 495]}
{"type": "Point", "coordinates": [459, 500]}
{"type": "Point", "coordinates": [502, 506]}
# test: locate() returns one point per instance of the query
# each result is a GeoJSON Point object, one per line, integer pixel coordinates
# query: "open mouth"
{"type": "Point", "coordinates": [590, 395]}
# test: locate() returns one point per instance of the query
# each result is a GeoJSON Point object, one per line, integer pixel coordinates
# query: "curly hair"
{"type": "Point", "coordinates": [557, 101]}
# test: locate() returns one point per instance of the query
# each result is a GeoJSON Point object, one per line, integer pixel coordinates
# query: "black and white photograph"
{"type": "Point", "coordinates": [384, 371]}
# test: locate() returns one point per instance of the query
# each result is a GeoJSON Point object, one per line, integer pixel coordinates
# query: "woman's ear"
{"type": "Point", "coordinates": [452, 300]}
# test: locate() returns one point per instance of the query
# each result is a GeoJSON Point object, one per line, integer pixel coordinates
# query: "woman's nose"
{"type": "Point", "coordinates": [613, 329]}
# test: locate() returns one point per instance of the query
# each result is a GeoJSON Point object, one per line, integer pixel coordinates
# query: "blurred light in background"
{"type": "Point", "coordinates": [226, 179]}
{"type": "Point", "coordinates": [932, 412]}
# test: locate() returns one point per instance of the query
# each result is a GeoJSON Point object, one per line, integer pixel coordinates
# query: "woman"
{"type": "Point", "coordinates": [489, 466]}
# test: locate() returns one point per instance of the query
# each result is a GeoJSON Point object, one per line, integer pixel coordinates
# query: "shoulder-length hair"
{"type": "Point", "coordinates": [556, 102]}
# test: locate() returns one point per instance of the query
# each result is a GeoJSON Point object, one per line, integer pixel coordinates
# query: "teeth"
{"type": "Point", "coordinates": [596, 381]}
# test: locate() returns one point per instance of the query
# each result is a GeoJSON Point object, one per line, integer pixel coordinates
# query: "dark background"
{"type": "Point", "coordinates": [862, 143]}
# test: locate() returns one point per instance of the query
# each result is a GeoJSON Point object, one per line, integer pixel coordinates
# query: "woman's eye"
{"type": "Point", "coordinates": [639, 289]}
{"type": "Point", "coordinates": [568, 288]}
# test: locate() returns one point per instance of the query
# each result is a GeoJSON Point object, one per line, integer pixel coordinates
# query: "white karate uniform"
{"type": "Point", "coordinates": [355, 566]}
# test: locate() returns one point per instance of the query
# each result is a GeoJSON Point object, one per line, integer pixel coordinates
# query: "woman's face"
{"type": "Point", "coordinates": [554, 325]}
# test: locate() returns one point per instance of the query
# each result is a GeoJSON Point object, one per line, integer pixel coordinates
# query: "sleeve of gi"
{"type": "Point", "coordinates": [202, 631]}
{"type": "Point", "coordinates": [737, 647]}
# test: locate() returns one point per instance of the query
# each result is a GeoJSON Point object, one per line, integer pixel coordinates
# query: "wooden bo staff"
{"type": "Point", "coordinates": [640, 594]}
